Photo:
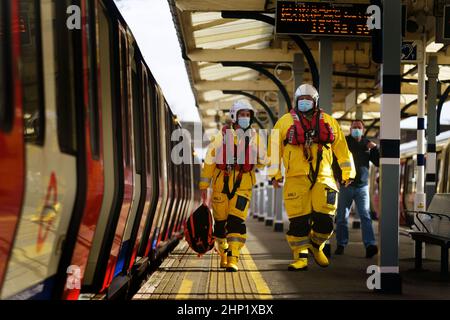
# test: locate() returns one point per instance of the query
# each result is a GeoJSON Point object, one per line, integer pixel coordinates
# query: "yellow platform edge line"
{"type": "Point", "coordinates": [185, 289]}
{"type": "Point", "coordinates": [261, 285]}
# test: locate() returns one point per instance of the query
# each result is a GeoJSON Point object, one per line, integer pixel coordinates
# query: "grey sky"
{"type": "Point", "coordinates": [152, 26]}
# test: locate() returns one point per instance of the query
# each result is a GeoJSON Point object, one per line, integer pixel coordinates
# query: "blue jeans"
{"type": "Point", "coordinates": [361, 197]}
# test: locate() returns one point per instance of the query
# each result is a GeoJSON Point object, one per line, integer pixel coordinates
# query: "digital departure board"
{"type": "Point", "coordinates": [322, 19]}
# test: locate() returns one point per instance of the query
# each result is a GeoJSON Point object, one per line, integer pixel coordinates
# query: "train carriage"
{"type": "Point", "coordinates": [85, 144]}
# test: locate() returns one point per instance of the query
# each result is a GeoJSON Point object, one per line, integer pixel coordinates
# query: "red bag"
{"type": "Point", "coordinates": [198, 230]}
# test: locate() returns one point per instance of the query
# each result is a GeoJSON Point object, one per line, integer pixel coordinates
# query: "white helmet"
{"type": "Point", "coordinates": [238, 106]}
{"type": "Point", "coordinates": [307, 90]}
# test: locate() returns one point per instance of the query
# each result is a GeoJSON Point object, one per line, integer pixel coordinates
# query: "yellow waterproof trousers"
{"type": "Point", "coordinates": [310, 212]}
{"type": "Point", "coordinates": [229, 217]}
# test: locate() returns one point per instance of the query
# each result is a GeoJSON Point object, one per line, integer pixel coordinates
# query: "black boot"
{"type": "Point", "coordinates": [371, 250]}
{"type": "Point", "coordinates": [339, 250]}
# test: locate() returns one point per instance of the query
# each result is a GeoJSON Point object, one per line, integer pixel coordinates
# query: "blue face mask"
{"type": "Point", "coordinates": [356, 133]}
{"type": "Point", "coordinates": [305, 105]}
{"type": "Point", "coordinates": [244, 123]}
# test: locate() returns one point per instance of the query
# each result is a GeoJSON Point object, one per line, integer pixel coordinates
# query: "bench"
{"type": "Point", "coordinates": [435, 229]}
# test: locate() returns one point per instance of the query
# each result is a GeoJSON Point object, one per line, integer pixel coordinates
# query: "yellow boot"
{"type": "Point", "coordinates": [222, 247]}
{"type": "Point", "coordinates": [300, 260]}
{"type": "Point", "coordinates": [235, 243]}
{"type": "Point", "coordinates": [320, 257]}
{"type": "Point", "coordinates": [232, 265]}
{"type": "Point", "coordinates": [317, 244]}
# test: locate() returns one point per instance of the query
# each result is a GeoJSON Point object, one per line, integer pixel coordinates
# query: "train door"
{"type": "Point", "coordinates": [140, 182]}
{"type": "Point", "coordinates": [157, 182]}
{"type": "Point", "coordinates": [11, 131]}
{"type": "Point", "coordinates": [163, 178]}
{"type": "Point", "coordinates": [111, 225]}
{"type": "Point", "coordinates": [170, 176]}
{"type": "Point", "coordinates": [149, 164]}
{"type": "Point", "coordinates": [183, 198]}
{"type": "Point", "coordinates": [51, 178]}
{"type": "Point", "coordinates": [98, 186]}
{"type": "Point", "coordinates": [183, 179]}
{"type": "Point", "coordinates": [175, 195]}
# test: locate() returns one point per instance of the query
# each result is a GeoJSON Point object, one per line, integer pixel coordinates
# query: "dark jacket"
{"type": "Point", "coordinates": [361, 156]}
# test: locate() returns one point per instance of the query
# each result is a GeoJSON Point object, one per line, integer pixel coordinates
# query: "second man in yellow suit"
{"type": "Point", "coordinates": [232, 180]}
{"type": "Point", "coordinates": [306, 139]}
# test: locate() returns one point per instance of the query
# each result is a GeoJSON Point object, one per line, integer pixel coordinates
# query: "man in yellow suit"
{"type": "Point", "coordinates": [306, 139]}
{"type": "Point", "coordinates": [230, 165]}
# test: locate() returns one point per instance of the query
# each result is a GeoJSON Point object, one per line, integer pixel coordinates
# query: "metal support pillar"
{"type": "Point", "coordinates": [262, 202]}
{"type": "Point", "coordinates": [326, 74]}
{"type": "Point", "coordinates": [390, 149]}
{"type": "Point", "coordinates": [256, 202]}
{"type": "Point", "coordinates": [270, 213]}
{"type": "Point", "coordinates": [432, 74]}
{"type": "Point", "coordinates": [420, 197]}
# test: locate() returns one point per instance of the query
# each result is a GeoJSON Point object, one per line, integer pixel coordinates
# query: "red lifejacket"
{"type": "Point", "coordinates": [238, 149]}
{"type": "Point", "coordinates": [317, 129]}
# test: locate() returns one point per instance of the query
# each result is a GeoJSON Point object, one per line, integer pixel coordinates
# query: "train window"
{"type": "Point", "coordinates": [93, 113]}
{"type": "Point", "coordinates": [124, 96]}
{"type": "Point", "coordinates": [137, 116]}
{"type": "Point", "coordinates": [31, 72]}
{"type": "Point", "coordinates": [65, 80]}
{"type": "Point", "coordinates": [148, 105]}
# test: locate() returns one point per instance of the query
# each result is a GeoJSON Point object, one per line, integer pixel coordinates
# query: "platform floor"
{"type": "Point", "coordinates": [263, 273]}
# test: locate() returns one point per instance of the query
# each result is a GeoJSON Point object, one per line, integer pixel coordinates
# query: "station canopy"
{"type": "Point", "coordinates": [218, 36]}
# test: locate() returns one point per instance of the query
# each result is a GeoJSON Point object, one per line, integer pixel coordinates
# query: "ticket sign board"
{"type": "Point", "coordinates": [322, 19]}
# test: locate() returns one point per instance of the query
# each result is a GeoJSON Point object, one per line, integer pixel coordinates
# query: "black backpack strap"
{"type": "Point", "coordinates": [237, 183]}
{"type": "Point", "coordinates": [313, 174]}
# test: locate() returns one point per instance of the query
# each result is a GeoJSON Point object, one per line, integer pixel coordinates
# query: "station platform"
{"type": "Point", "coordinates": [263, 273]}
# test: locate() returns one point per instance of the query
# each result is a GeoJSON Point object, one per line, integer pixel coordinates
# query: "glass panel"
{"type": "Point", "coordinates": [137, 122]}
{"type": "Point", "coordinates": [65, 76]}
{"type": "Point", "coordinates": [124, 97]}
{"type": "Point", "coordinates": [90, 34]}
{"type": "Point", "coordinates": [31, 70]}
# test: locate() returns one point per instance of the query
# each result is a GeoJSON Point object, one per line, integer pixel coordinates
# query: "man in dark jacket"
{"type": "Point", "coordinates": [363, 151]}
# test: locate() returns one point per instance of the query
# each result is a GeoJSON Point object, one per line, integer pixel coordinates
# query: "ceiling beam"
{"type": "Point", "coordinates": [221, 5]}
{"type": "Point", "coordinates": [211, 24]}
{"type": "Point", "coordinates": [251, 42]}
{"type": "Point", "coordinates": [271, 55]}
{"type": "Point", "coordinates": [210, 38]}
{"type": "Point", "coordinates": [246, 85]}
{"type": "Point", "coordinates": [261, 55]}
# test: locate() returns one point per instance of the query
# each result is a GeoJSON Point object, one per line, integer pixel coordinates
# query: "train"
{"type": "Point", "coordinates": [408, 176]}
{"type": "Point", "coordinates": [90, 200]}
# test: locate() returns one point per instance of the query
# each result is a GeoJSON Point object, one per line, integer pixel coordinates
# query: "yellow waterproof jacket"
{"type": "Point", "coordinates": [210, 173]}
{"type": "Point", "coordinates": [294, 160]}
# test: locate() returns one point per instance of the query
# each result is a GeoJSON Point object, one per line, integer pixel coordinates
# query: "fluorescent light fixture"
{"type": "Point", "coordinates": [434, 47]}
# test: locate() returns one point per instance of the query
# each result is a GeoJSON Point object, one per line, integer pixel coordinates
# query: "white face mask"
{"type": "Point", "coordinates": [356, 133]}
{"type": "Point", "coordinates": [305, 105]}
{"type": "Point", "coordinates": [244, 122]}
